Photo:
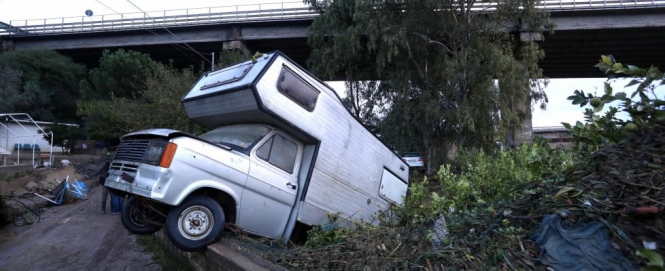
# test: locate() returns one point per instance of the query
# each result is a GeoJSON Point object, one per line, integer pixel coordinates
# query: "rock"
{"type": "Point", "coordinates": [19, 192]}
{"type": "Point", "coordinates": [46, 185]}
{"type": "Point", "coordinates": [30, 187]}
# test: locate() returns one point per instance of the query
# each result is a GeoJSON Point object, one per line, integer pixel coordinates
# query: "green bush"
{"type": "Point", "coordinates": [497, 178]}
{"type": "Point", "coordinates": [484, 181]}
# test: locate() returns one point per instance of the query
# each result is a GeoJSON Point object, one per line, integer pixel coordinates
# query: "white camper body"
{"type": "Point", "coordinates": [337, 167]}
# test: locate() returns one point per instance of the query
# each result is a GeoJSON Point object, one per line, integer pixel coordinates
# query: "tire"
{"type": "Point", "coordinates": [135, 217]}
{"type": "Point", "coordinates": [196, 223]}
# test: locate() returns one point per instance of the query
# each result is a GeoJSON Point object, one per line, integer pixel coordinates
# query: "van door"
{"type": "Point", "coordinates": [272, 185]}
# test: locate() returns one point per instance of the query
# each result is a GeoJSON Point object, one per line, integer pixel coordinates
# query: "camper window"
{"type": "Point", "coordinates": [280, 152]}
{"type": "Point", "coordinates": [297, 89]}
{"type": "Point", "coordinates": [228, 75]}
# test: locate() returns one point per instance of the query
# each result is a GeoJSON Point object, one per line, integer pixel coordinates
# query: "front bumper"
{"type": "Point", "coordinates": [139, 179]}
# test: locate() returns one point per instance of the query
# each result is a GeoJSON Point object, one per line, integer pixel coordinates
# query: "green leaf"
{"type": "Point", "coordinates": [633, 68]}
{"type": "Point", "coordinates": [567, 125]}
{"type": "Point", "coordinates": [606, 60]}
{"type": "Point", "coordinates": [578, 124]}
{"type": "Point", "coordinates": [620, 95]}
{"type": "Point", "coordinates": [633, 82]}
{"type": "Point", "coordinates": [654, 258]}
{"type": "Point", "coordinates": [644, 97]}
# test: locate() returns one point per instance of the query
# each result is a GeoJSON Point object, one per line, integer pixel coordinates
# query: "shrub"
{"type": "Point", "coordinates": [497, 178]}
{"type": "Point", "coordinates": [643, 107]}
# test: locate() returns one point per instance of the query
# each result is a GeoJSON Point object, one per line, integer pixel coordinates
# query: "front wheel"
{"type": "Point", "coordinates": [195, 223]}
{"type": "Point", "coordinates": [136, 217]}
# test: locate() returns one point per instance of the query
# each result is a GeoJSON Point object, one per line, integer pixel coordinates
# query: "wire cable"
{"type": "Point", "coordinates": [167, 30]}
{"type": "Point", "coordinates": [175, 45]}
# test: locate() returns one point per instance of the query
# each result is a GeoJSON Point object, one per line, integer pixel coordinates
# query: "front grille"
{"type": "Point", "coordinates": [124, 167]}
{"type": "Point", "coordinates": [131, 150]}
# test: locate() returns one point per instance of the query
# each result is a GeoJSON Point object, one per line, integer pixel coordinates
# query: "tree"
{"type": "Point", "coordinates": [121, 74]}
{"type": "Point", "coordinates": [64, 136]}
{"type": "Point", "coordinates": [155, 102]}
{"type": "Point", "coordinates": [363, 101]}
{"type": "Point", "coordinates": [439, 63]}
{"type": "Point", "coordinates": [41, 83]}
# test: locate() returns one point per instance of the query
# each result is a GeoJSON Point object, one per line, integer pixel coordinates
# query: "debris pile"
{"type": "Point", "coordinates": [622, 185]}
{"type": "Point", "coordinates": [55, 186]}
{"type": "Point", "coordinates": [619, 190]}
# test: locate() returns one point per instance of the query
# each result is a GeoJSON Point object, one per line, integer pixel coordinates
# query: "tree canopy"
{"type": "Point", "coordinates": [120, 74]}
{"type": "Point", "coordinates": [451, 76]}
{"type": "Point", "coordinates": [150, 99]}
{"type": "Point", "coordinates": [41, 83]}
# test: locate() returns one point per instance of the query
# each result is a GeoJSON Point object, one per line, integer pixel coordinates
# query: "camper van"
{"type": "Point", "coordinates": [282, 154]}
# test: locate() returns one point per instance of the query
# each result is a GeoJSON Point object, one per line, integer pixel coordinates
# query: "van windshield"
{"type": "Point", "coordinates": [239, 137]}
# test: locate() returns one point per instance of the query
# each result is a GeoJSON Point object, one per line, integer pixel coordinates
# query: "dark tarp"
{"type": "Point", "coordinates": [581, 247]}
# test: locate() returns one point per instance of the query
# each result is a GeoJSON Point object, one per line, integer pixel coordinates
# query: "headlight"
{"type": "Point", "coordinates": [154, 152]}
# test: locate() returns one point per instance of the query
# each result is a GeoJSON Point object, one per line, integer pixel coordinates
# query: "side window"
{"type": "Point", "coordinates": [264, 151]}
{"type": "Point", "coordinates": [280, 152]}
{"type": "Point", "coordinates": [297, 89]}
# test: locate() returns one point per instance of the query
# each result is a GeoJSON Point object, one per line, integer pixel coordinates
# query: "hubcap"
{"type": "Point", "coordinates": [196, 222]}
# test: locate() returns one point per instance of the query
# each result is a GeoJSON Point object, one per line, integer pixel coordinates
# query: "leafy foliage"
{"type": "Point", "coordinates": [64, 136]}
{"type": "Point", "coordinates": [607, 128]}
{"type": "Point", "coordinates": [477, 236]}
{"type": "Point", "coordinates": [363, 100]}
{"type": "Point", "coordinates": [41, 83]}
{"type": "Point", "coordinates": [484, 179]}
{"type": "Point", "coordinates": [438, 62]}
{"type": "Point", "coordinates": [121, 74]}
{"type": "Point", "coordinates": [149, 100]}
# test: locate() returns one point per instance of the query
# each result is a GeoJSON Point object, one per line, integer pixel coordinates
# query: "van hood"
{"type": "Point", "coordinates": [162, 132]}
{"type": "Point", "coordinates": [168, 134]}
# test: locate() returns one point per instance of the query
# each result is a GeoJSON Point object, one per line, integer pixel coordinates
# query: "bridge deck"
{"type": "Point", "coordinates": [249, 13]}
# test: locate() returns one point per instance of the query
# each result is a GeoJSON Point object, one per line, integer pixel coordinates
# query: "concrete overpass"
{"type": "Point", "coordinates": [633, 31]}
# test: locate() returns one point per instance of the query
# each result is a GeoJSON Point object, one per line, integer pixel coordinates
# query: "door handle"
{"type": "Point", "coordinates": [290, 185]}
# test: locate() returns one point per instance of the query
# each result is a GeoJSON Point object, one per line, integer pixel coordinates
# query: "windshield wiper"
{"type": "Point", "coordinates": [221, 144]}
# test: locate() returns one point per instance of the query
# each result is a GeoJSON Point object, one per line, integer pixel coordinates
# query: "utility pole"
{"type": "Point", "coordinates": [212, 64]}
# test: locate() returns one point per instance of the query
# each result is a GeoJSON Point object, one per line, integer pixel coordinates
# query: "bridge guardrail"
{"type": "Point", "coordinates": [247, 13]}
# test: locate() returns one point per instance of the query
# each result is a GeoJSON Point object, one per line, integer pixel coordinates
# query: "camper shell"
{"type": "Point", "coordinates": [312, 158]}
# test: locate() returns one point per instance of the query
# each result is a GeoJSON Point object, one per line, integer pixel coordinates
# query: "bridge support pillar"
{"type": "Point", "coordinates": [7, 45]}
{"type": "Point", "coordinates": [524, 133]}
{"type": "Point", "coordinates": [531, 36]}
{"type": "Point", "coordinates": [234, 44]}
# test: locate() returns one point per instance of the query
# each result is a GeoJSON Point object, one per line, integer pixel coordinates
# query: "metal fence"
{"type": "Point", "coordinates": [286, 11]}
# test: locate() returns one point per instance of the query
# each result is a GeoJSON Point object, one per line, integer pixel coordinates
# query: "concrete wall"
{"type": "Point", "coordinates": [223, 255]}
{"type": "Point", "coordinates": [8, 170]}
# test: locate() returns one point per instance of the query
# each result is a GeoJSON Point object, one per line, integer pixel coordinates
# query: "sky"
{"type": "Point", "coordinates": [558, 109]}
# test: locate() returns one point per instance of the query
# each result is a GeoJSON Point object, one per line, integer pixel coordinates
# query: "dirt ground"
{"type": "Point", "coordinates": [74, 236]}
{"type": "Point", "coordinates": [40, 174]}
